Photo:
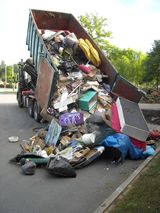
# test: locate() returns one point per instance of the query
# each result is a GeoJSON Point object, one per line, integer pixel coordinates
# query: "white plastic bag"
{"type": "Point", "coordinates": [47, 34]}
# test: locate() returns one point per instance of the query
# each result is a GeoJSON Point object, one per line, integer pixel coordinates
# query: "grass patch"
{"type": "Point", "coordinates": [10, 91]}
{"type": "Point", "coordinates": [143, 194]}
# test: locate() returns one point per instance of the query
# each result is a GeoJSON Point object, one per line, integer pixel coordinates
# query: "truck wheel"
{"type": "Point", "coordinates": [37, 116]}
{"type": "Point", "coordinates": [31, 108]}
{"type": "Point", "coordinates": [20, 99]}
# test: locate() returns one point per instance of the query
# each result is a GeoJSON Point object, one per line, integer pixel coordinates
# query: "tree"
{"type": "Point", "coordinates": [128, 62]}
{"type": "Point", "coordinates": [15, 68]}
{"type": "Point", "coordinates": [152, 64]}
{"type": "Point", "coordinates": [96, 28]}
{"type": "Point", "coordinates": [2, 68]}
{"type": "Point", "coordinates": [139, 68]}
{"type": "Point", "coordinates": [9, 74]}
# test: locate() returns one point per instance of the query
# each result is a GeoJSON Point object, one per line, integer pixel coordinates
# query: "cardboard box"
{"type": "Point", "coordinates": [131, 119]}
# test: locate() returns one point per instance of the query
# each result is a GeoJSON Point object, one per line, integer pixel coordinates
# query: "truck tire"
{"type": "Point", "coordinates": [37, 116]}
{"type": "Point", "coordinates": [20, 99]}
{"type": "Point", "coordinates": [31, 108]}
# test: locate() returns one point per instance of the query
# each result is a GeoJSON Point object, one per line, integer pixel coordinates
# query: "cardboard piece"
{"type": "Point", "coordinates": [39, 142]}
{"type": "Point", "coordinates": [65, 139]}
{"type": "Point", "coordinates": [63, 103]}
{"type": "Point", "coordinates": [26, 147]}
{"type": "Point", "coordinates": [89, 157]}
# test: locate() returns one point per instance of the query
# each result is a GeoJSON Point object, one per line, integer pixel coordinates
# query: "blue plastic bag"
{"type": "Point", "coordinates": [123, 144]}
{"type": "Point", "coordinates": [149, 151]}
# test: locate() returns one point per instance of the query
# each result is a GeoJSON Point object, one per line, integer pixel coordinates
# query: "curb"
{"type": "Point", "coordinates": [124, 185]}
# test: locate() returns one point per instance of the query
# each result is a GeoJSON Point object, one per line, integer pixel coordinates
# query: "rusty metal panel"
{"type": "Point", "coordinates": [123, 88]}
{"type": "Point", "coordinates": [45, 83]}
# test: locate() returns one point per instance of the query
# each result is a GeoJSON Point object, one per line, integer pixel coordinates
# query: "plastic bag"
{"type": "Point", "coordinates": [29, 168]}
{"type": "Point", "coordinates": [149, 151]}
{"type": "Point", "coordinates": [71, 118]}
{"type": "Point", "coordinates": [47, 34]}
{"type": "Point", "coordinates": [60, 166]}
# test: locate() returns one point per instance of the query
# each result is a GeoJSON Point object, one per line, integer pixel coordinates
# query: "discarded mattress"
{"type": "Point", "coordinates": [116, 126]}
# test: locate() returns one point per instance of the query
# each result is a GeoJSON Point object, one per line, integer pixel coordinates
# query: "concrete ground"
{"type": "Point", "coordinates": [150, 106]}
{"type": "Point", "coordinates": [43, 192]}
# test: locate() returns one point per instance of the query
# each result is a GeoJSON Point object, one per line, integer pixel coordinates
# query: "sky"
{"type": "Point", "coordinates": [134, 23]}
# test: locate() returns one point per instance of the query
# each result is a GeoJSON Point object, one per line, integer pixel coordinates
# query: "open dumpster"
{"type": "Point", "coordinates": [39, 24]}
{"type": "Point", "coordinates": [73, 86]}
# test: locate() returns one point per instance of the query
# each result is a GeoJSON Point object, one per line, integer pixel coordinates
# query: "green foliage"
{"type": "Point", "coordinates": [8, 72]}
{"type": "Point", "coordinates": [2, 68]}
{"type": "Point", "coordinates": [7, 86]}
{"type": "Point", "coordinates": [129, 63]}
{"type": "Point", "coordinates": [152, 64]}
{"type": "Point", "coordinates": [15, 68]}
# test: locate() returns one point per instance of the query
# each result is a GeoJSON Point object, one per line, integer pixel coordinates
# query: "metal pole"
{"type": "Point", "coordinates": [13, 84]}
{"type": "Point", "coordinates": [12, 70]}
{"type": "Point", "coordinates": [5, 76]}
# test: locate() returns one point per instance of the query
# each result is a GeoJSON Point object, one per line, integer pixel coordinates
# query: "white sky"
{"type": "Point", "coordinates": [134, 23]}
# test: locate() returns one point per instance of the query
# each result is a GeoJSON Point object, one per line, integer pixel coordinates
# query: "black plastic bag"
{"type": "Point", "coordinates": [60, 166]}
{"type": "Point", "coordinates": [29, 168]}
{"type": "Point", "coordinates": [66, 67]}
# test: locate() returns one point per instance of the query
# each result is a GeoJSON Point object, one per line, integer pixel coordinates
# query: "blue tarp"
{"type": "Point", "coordinates": [123, 144]}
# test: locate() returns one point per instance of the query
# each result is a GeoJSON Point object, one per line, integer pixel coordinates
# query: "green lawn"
{"type": "Point", "coordinates": [143, 194]}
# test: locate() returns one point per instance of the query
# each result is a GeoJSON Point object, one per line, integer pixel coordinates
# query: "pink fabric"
{"type": "Point", "coordinates": [154, 135]}
{"type": "Point", "coordinates": [116, 126]}
{"type": "Point", "coordinates": [115, 119]}
{"type": "Point", "coordinates": [84, 69]}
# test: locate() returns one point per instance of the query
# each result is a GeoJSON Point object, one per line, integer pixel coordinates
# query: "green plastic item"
{"type": "Point", "coordinates": [38, 161]}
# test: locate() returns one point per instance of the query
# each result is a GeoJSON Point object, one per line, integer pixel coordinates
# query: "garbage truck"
{"type": "Point", "coordinates": [51, 38]}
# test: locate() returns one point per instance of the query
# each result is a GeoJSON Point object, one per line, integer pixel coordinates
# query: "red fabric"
{"type": "Point", "coordinates": [84, 69]}
{"type": "Point", "coordinates": [115, 119]}
{"type": "Point", "coordinates": [154, 135]}
{"type": "Point", "coordinates": [116, 126]}
{"type": "Point", "coordinates": [26, 92]}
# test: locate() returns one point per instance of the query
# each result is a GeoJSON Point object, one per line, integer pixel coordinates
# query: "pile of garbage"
{"type": "Point", "coordinates": [153, 96]}
{"type": "Point", "coordinates": [82, 119]}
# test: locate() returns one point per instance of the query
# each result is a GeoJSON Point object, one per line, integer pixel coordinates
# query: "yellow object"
{"type": "Point", "coordinates": [85, 48]}
{"type": "Point", "coordinates": [90, 52]}
{"type": "Point", "coordinates": [105, 104]}
{"type": "Point", "coordinates": [94, 54]}
{"type": "Point", "coordinates": [50, 150]}
{"type": "Point", "coordinates": [55, 60]}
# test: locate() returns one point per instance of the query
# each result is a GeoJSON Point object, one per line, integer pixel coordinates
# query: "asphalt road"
{"type": "Point", "coordinates": [43, 192]}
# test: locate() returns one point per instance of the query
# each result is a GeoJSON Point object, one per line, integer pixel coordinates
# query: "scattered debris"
{"type": "Point", "coordinates": [69, 90]}
{"type": "Point", "coordinates": [13, 139]}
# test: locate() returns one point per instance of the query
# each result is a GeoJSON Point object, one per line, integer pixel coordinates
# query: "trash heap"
{"type": "Point", "coordinates": [82, 116]}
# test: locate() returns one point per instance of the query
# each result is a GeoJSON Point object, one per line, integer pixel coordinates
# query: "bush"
{"type": "Point", "coordinates": [7, 86]}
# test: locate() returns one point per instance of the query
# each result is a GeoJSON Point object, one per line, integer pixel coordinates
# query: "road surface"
{"type": "Point", "coordinates": [42, 192]}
